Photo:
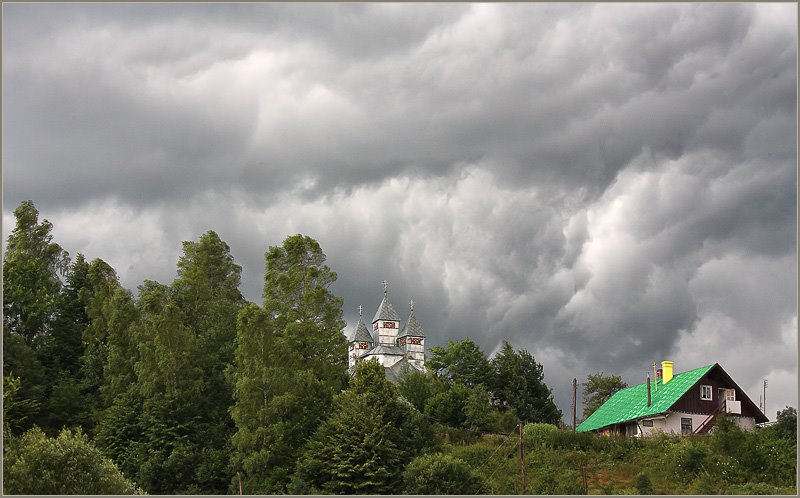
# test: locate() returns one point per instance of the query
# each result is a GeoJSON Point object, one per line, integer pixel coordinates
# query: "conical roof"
{"type": "Point", "coordinates": [361, 333]}
{"type": "Point", "coordinates": [386, 311]}
{"type": "Point", "coordinates": [412, 327]}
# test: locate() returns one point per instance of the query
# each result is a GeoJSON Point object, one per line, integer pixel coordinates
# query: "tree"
{"type": "Point", "coordinates": [32, 266]}
{"type": "Point", "coordinates": [598, 389]}
{"type": "Point", "coordinates": [519, 381]}
{"type": "Point", "coordinates": [363, 446]}
{"type": "Point", "coordinates": [418, 387]}
{"type": "Point", "coordinates": [462, 362]}
{"type": "Point", "coordinates": [67, 464]}
{"type": "Point", "coordinates": [290, 360]}
{"type": "Point", "coordinates": [170, 428]}
{"type": "Point", "coordinates": [786, 423]}
{"type": "Point", "coordinates": [437, 474]}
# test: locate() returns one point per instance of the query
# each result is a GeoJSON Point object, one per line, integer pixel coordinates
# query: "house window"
{"type": "Point", "coordinates": [730, 395]}
{"type": "Point", "coordinates": [686, 425]}
{"type": "Point", "coordinates": [647, 423]}
{"type": "Point", "coordinates": [705, 392]}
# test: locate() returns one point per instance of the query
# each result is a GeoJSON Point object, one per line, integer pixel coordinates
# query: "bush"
{"type": "Point", "coordinates": [568, 440]}
{"type": "Point", "coordinates": [689, 458]}
{"type": "Point", "coordinates": [552, 481]}
{"type": "Point", "coordinates": [67, 464]}
{"type": "Point", "coordinates": [538, 434]}
{"type": "Point", "coordinates": [437, 474]}
{"type": "Point", "coordinates": [643, 484]}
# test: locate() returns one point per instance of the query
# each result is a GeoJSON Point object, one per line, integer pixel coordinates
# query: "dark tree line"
{"type": "Point", "coordinates": [189, 388]}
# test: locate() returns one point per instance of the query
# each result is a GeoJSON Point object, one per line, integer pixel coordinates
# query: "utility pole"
{"type": "Point", "coordinates": [522, 454]}
{"type": "Point", "coordinates": [574, 402]}
{"type": "Point", "coordinates": [765, 396]}
{"type": "Point", "coordinates": [240, 481]}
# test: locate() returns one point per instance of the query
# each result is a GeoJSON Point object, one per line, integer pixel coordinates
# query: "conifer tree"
{"type": "Point", "coordinates": [363, 447]}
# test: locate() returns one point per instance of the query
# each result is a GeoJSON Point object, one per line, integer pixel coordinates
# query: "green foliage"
{"type": "Point", "coordinates": [437, 474]}
{"type": "Point", "coordinates": [67, 464]}
{"type": "Point", "coordinates": [363, 446]}
{"type": "Point", "coordinates": [290, 360]}
{"type": "Point", "coordinates": [31, 267]}
{"type": "Point", "coordinates": [643, 484]}
{"type": "Point", "coordinates": [538, 434]}
{"type": "Point", "coordinates": [598, 389]}
{"type": "Point", "coordinates": [786, 426]}
{"type": "Point", "coordinates": [461, 362]}
{"type": "Point", "coordinates": [548, 481]}
{"type": "Point", "coordinates": [519, 381]}
{"type": "Point", "coordinates": [418, 387]}
{"type": "Point", "coordinates": [34, 347]}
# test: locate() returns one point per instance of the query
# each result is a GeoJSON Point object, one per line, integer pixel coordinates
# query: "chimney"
{"type": "Point", "coordinates": [666, 368]}
{"type": "Point", "coordinates": [648, 388]}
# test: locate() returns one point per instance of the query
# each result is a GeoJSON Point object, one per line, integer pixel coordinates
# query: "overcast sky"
{"type": "Point", "coordinates": [603, 185]}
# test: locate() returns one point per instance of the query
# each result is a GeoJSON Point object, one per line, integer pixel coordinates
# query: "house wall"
{"type": "Point", "coordinates": [672, 423]}
{"type": "Point", "coordinates": [690, 402]}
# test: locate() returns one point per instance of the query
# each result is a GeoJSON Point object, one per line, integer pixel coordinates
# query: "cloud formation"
{"type": "Point", "coordinates": [603, 185]}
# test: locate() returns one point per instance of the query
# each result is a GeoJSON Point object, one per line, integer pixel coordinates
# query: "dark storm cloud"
{"type": "Point", "coordinates": [605, 185]}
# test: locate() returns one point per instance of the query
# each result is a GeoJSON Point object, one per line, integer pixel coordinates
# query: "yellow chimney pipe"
{"type": "Point", "coordinates": [666, 369]}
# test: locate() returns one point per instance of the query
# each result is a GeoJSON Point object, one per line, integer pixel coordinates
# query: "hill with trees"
{"type": "Point", "coordinates": [188, 388]}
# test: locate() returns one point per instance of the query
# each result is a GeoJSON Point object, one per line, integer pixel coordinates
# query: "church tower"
{"type": "Point", "coordinates": [386, 323]}
{"type": "Point", "coordinates": [412, 340]}
{"type": "Point", "coordinates": [360, 341]}
{"type": "Point", "coordinates": [395, 350]}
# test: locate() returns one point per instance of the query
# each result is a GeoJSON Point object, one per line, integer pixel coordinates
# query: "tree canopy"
{"type": "Point", "coordinates": [598, 389]}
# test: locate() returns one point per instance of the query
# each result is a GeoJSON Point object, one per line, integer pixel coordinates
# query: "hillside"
{"type": "Point", "coordinates": [562, 462]}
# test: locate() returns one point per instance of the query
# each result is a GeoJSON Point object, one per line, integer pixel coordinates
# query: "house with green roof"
{"type": "Point", "coordinates": [686, 403]}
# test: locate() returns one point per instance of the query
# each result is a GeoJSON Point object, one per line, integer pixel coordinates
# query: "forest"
{"type": "Point", "coordinates": [188, 388]}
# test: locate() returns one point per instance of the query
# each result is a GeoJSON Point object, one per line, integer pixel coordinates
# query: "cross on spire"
{"type": "Point", "coordinates": [360, 309]}
{"type": "Point", "coordinates": [385, 286]}
{"type": "Point", "coordinates": [412, 304]}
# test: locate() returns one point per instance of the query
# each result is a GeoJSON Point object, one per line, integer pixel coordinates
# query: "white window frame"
{"type": "Point", "coordinates": [706, 390]}
{"type": "Point", "coordinates": [730, 395]}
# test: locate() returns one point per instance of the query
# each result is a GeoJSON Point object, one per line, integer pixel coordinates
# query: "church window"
{"type": "Point", "coordinates": [403, 341]}
{"type": "Point", "coordinates": [416, 340]}
{"type": "Point", "coordinates": [388, 325]}
{"type": "Point", "coordinates": [363, 345]}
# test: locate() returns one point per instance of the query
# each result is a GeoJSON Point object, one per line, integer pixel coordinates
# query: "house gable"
{"type": "Point", "coordinates": [717, 378]}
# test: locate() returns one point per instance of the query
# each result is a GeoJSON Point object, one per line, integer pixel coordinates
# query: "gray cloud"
{"type": "Point", "coordinates": [603, 185]}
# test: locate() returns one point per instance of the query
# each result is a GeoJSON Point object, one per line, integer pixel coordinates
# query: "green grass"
{"type": "Point", "coordinates": [568, 463]}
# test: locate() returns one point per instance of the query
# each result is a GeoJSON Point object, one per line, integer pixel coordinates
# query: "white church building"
{"type": "Point", "coordinates": [395, 348]}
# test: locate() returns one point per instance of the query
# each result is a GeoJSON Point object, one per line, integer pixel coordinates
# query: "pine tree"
{"type": "Point", "coordinates": [363, 447]}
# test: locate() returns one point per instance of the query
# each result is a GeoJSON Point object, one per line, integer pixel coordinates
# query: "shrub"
{"type": "Point", "coordinates": [568, 440]}
{"type": "Point", "coordinates": [551, 481]}
{"type": "Point", "coordinates": [66, 464]}
{"type": "Point", "coordinates": [538, 434]}
{"type": "Point", "coordinates": [643, 484]}
{"type": "Point", "coordinates": [689, 459]}
{"type": "Point", "coordinates": [437, 474]}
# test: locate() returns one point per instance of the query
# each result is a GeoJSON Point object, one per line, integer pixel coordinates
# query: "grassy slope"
{"type": "Point", "coordinates": [568, 464]}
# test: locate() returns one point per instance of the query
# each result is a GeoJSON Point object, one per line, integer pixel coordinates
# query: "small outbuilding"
{"type": "Point", "coordinates": [686, 403]}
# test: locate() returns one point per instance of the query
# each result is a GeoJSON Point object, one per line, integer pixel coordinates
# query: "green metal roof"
{"type": "Point", "coordinates": [631, 403]}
